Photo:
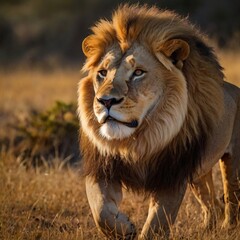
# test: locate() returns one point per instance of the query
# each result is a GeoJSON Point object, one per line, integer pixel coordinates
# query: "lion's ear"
{"type": "Point", "coordinates": [87, 46]}
{"type": "Point", "coordinates": [177, 50]}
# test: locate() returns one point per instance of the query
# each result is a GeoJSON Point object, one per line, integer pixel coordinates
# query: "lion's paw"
{"type": "Point", "coordinates": [124, 227]}
{"type": "Point", "coordinates": [119, 227]}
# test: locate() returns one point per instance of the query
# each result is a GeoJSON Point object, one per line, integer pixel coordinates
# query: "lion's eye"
{"type": "Point", "coordinates": [138, 73]}
{"type": "Point", "coordinates": [102, 73]}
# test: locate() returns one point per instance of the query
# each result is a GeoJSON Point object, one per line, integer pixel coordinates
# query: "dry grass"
{"type": "Point", "coordinates": [230, 60]}
{"type": "Point", "coordinates": [41, 204]}
{"type": "Point", "coordinates": [50, 203]}
{"type": "Point", "coordinates": [38, 89]}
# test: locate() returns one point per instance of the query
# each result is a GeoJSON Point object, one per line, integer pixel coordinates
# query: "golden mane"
{"type": "Point", "coordinates": [204, 78]}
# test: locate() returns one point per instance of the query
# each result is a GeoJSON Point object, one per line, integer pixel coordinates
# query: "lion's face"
{"type": "Point", "coordinates": [127, 89]}
{"type": "Point", "coordinates": [139, 91]}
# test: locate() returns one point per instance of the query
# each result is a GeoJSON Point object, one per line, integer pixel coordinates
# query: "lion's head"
{"type": "Point", "coordinates": [150, 79]}
{"type": "Point", "coordinates": [129, 88]}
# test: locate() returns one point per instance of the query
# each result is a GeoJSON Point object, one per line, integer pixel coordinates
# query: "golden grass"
{"type": "Point", "coordinates": [50, 203]}
{"type": "Point", "coordinates": [24, 89]}
{"type": "Point", "coordinates": [230, 60]}
{"type": "Point", "coordinates": [41, 204]}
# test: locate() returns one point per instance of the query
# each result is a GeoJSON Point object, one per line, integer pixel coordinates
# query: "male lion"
{"type": "Point", "coordinates": [155, 114]}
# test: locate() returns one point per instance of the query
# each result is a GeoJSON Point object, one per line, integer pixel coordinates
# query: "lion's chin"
{"type": "Point", "coordinates": [114, 130]}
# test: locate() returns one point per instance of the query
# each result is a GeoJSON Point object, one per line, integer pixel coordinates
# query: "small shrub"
{"type": "Point", "coordinates": [47, 135]}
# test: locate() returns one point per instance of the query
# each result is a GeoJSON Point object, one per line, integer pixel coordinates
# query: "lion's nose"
{"type": "Point", "coordinates": [109, 102]}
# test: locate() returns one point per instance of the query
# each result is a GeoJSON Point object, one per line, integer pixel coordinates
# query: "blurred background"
{"type": "Point", "coordinates": [49, 33]}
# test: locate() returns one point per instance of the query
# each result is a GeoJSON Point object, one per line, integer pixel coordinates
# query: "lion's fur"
{"type": "Point", "coordinates": [145, 161]}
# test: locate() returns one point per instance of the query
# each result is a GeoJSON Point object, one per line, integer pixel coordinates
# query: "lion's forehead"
{"type": "Point", "coordinates": [136, 56]}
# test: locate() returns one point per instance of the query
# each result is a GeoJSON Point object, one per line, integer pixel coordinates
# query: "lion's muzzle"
{"type": "Point", "coordinates": [108, 116]}
{"type": "Point", "coordinates": [109, 102]}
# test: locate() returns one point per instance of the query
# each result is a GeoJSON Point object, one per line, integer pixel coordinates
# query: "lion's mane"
{"type": "Point", "coordinates": [177, 161]}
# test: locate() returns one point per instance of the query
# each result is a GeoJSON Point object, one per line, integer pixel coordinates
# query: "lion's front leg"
{"type": "Point", "coordinates": [162, 213]}
{"type": "Point", "coordinates": [104, 199]}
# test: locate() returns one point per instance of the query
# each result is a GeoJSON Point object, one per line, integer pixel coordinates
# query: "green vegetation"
{"type": "Point", "coordinates": [44, 136]}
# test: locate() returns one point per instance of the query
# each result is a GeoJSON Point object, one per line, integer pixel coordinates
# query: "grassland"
{"type": "Point", "coordinates": [50, 203]}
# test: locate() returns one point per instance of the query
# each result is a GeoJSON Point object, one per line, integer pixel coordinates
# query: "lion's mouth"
{"type": "Point", "coordinates": [132, 124]}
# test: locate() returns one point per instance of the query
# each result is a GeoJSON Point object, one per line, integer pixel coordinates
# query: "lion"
{"type": "Point", "coordinates": [155, 116]}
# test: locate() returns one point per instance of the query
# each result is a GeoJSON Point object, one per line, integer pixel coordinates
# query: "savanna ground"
{"type": "Point", "coordinates": [50, 202]}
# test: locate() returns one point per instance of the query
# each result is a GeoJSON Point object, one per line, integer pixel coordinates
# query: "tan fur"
{"type": "Point", "coordinates": [161, 123]}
